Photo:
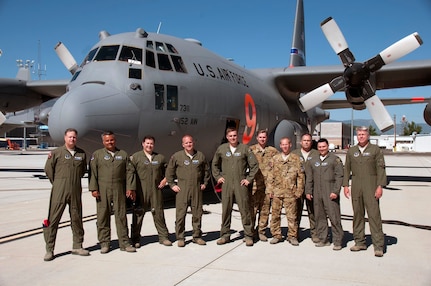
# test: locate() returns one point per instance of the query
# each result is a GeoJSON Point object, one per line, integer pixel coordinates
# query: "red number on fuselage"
{"type": "Point", "coordinates": [250, 119]}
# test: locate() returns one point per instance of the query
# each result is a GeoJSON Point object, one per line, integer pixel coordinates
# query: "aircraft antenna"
{"type": "Point", "coordinates": [40, 72]}
{"type": "Point", "coordinates": [158, 28]}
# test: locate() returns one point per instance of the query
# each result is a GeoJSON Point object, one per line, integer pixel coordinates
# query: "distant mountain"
{"type": "Point", "coordinates": [426, 129]}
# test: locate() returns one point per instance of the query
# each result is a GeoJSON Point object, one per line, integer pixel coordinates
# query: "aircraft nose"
{"type": "Point", "coordinates": [90, 109]}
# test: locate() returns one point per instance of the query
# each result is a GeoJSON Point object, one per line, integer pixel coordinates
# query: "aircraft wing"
{"type": "Point", "coordinates": [50, 88]}
{"type": "Point", "coordinates": [302, 79]}
{"type": "Point", "coordinates": [17, 94]}
{"type": "Point", "coordinates": [342, 103]}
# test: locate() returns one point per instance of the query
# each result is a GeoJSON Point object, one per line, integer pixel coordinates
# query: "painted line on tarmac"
{"type": "Point", "coordinates": [34, 231]}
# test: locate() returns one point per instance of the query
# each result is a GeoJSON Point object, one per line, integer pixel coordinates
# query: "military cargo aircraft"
{"type": "Point", "coordinates": [140, 83]}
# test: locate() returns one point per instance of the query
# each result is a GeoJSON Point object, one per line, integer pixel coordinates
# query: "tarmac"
{"type": "Point", "coordinates": [24, 197]}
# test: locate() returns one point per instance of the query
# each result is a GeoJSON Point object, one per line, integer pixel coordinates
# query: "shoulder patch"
{"type": "Point", "coordinates": [49, 155]}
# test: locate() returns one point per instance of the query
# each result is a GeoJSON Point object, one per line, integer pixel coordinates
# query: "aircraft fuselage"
{"type": "Point", "coordinates": [167, 87]}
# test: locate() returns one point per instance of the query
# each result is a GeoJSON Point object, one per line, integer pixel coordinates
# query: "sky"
{"type": "Point", "coordinates": [254, 33]}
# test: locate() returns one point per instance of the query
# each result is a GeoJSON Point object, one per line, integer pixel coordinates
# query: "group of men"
{"type": "Point", "coordinates": [259, 179]}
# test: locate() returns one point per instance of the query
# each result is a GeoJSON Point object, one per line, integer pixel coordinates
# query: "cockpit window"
{"type": "Point", "coordinates": [89, 57]}
{"type": "Point", "coordinates": [131, 55]}
{"type": "Point", "coordinates": [171, 49]}
{"type": "Point", "coordinates": [150, 60]}
{"type": "Point", "coordinates": [167, 56]}
{"type": "Point", "coordinates": [75, 76]}
{"type": "Point", "coordinates": [150, 45]}
{"type": "Point", "coordinates": [107, 53]}
{"type": "Point", "coordinates": [164, 63]}
{"type": "Point", "coordinates": [178, 64]}
{"type": "Point", "coordinates": [160, 47]}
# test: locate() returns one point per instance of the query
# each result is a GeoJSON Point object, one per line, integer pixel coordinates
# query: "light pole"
{"type": "Point", "coordinates": [395, 132]}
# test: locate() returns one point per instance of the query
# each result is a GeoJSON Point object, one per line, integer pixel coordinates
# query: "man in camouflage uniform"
{"type": "Point", "coordinates": [108, 169]}
{"type": "Point", "coordinates": [285, 186]}
{"type": "Point", "coordinates": [229, 167]}
{"type": "Point", "coordinates": [324, 176]}
{"type": "Point", "coordinates": [366, 163]}
{"type": "Point", "coordinates": [259, 201]}
{"type": "Point", "coordinates": [190, 168]}
{"type": "Point", "coordinates": [146, 176]}
{"type": "Point", "coordinates": [65, 167]}
{"type": "Point", "coordinates": [307, 153]}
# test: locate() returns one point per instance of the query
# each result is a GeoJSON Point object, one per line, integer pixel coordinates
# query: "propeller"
{"type": "Point", "coordinates": [66, 57]}
{"type": "Point", "coordinates": [355, 79]}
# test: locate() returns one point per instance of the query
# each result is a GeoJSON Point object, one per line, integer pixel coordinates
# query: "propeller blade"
{"type": "Point", "coordinates": [394, 52]}
{"type": "Point", "coordinates": [334, 35]}
{"type": "Point", "coordinates": [401, 48]}
{"type": "Point", "coordinates": [66, 57]}
{"type": "Point", "coordinates": [2, 118]}
{"type": "Point", "coordinates": [379, 113]}
{"type": "Point", "coordinates": [337, 41]}
{"type": "Point", "coordinates": [320, 94]}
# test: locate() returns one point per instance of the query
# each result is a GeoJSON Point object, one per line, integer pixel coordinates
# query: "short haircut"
{"type": "Point", "coordinates": [187, 136]}
{"type": "Point", "coordinates": [323, 140]}
{"type": "Point", "coordinates": [106, 133]}
{"type": "Point", "coordinates": [262, 131]}
{"type": "Point", "coordinates": [230, 129]}
{"type": "Point", "coordinates": [306, 134]}
{"type": "Point", "coordinates": [283, 138]}
{"type": "Point", "coordinates": [71, 130]}
{"type": "Point", "coordinates": [150, 137]}
{"type": "Point", "coordinates": [362, 128]}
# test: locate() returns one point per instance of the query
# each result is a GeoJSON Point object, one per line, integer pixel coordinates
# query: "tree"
{"type": "Point", "coordinates": [411, 127]}
{"type": "Point", "coordinates": [372, 130]}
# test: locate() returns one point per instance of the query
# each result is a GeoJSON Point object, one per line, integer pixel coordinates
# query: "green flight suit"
{"type": "Point", "coordinates": [309, 204]}
{"type": "Point", "coordinates": [368, 172]}
{"type": "Point", "coordinates": [144, 176]}
{"type": "Point", "coordinates": [322, 179]}
{"type": "Point", "coordinates": [65, 171]}
{"type": "Point", "coordinates": [108, 176]}
{"type": "Point", "coordinates": [233, 168]}
{"type": "Point", "coordinates": [190, 173]}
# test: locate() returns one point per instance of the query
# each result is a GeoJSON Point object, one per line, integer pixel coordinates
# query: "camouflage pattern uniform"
{"type": "Point", "coordinates": [65, 171]}
{"type": "Point", "coordinates": [233, 168]}
{"type": "Point", "coordinates": [309, 204]}
{"type": "Point", "coordinates": [108, 176]}
{"type": "Point", "coordinates": [191, 173]}
{"type": "Point", "coordinates": [368, 172]}
{"type": "Point", "coordinates": [259, 201]}
{"type": "Point", "coordinates": [322, 179]}
{"type": "Point", "coordinates": [144, 176]}
{"type": "Point", "coordinates": [286, 185]}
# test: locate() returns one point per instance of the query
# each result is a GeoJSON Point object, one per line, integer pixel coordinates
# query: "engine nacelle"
{"type": "Point", "coordinates": [44, 115]}
{"type": "Point", "coordinates": [287, 128]}
{"type": "Point", "coordinates": [427, 114]}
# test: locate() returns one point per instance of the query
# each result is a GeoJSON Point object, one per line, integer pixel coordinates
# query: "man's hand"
{"type": "Point", "coordinates": [176, 189]}
{"type": "Point", "coordinates": [379, 192]}
{"type": "Point", "coordinates": [347, 192]}
{"type": "Point", "coordinates": [245, 182]}
{"type": "Point", "coordinates": [131, 194]}
{"type": "Point", "coordinates": [162, 183]}
{"type": "Point", "coordinates": [95, 194]}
